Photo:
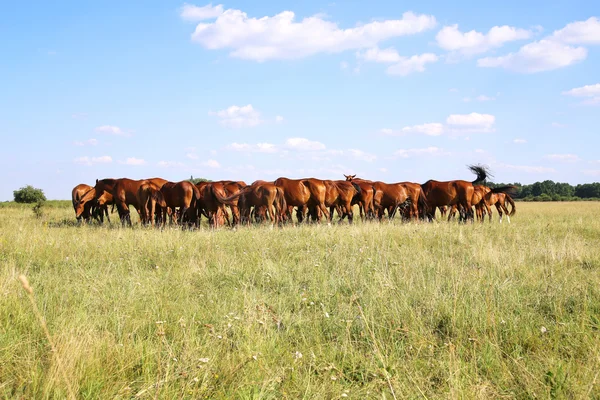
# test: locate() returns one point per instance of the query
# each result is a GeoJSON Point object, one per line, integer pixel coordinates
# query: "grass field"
{"type": "Point", "coordinates": [365, 311]}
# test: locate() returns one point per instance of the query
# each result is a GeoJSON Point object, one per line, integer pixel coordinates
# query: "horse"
{"type": "Point", "coordinates": [309, 192]}
{"type": "Point", "coordinates": [451, 193]}
{"type": "Point", "coordinates": [365, 198]}
{"type": "Point", "coordinates": [76, 194]}
{"type": "Point", "coordinates": [231, 188]}
{"type": "Point", "coordinates": [499, 200]}
{"type": "Point", "coordinates": [152, 203]}
{"type": "Point", "coordinates": [124, 194]}
{"type": "Point", "coordinates": [184, 195]}
{"type": "Point", "coordinates": [209, 205]}
{"type": "Point", "coordinates": [85, 205]}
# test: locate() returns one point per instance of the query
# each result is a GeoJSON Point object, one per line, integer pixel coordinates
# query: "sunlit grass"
{"type": "Point", "coordinates": [371, 310]}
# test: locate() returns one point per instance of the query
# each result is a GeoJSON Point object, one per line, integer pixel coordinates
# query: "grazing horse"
{"type": "Point", "coordinates": [209, 205]}
{"type": "Point", "coordinates": [451, 193]}
{"type": "Point", "coordinates": [231, 188]}
{"type": "Point", "coordinates": [479, 191]}
{"type": "Point", "coordinates": [389, 197]}
{"type": "Point", "coordinates": [418, 200]}
{"type": "Point", "coordinates": [184, 195]}
{"type": "Point", "coordinates": [365, 198]}
{"type": "Point", "coordinates": [152, 203]}
{"type": "Point", "coordinates": [263, 196]}
{"type": "Point", "coordinates": [83, 197]}
{"type": "Point", "coordinates": [499, 200]}
{"type": "Point", "coordinates": [125, 193]}
{"type": "Point", "coordinates": [304, 193]}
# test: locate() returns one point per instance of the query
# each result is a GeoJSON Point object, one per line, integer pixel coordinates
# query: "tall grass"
{"type": "Point", "coordinates": [366, 311]}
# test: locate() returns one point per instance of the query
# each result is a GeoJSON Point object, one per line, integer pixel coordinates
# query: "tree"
{"type": "Point", "coordinates": [198, 180]}
{"type": "Point", "coordinates": [29, 194]}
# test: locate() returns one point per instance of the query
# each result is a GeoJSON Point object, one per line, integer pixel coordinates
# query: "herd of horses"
{"type": "Point", "coordinates": [159, 201]}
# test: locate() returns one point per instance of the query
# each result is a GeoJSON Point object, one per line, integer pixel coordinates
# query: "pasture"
{"type": "Point", "coordinates": [405, 310]}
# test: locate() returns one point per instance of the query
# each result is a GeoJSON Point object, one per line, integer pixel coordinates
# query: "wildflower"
{"type": "Point", "coordinates": [543, 329]}
{"type": "Point", "coordinates": [297, 355]}
{"type": "Point", "coordinates": [204, 360]}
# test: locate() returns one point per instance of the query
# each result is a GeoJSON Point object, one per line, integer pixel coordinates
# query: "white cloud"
{"type": "Point", "coordinates": [281, 37]}
{"type": "Point", "coordinates": [93, 160]}
{"type": "Point", "coordinates": [562, 157]}
{"type": "Point", "coordinates": [543, 55]}
{"type": "Point", "coordinates": [90, 142]}
{"type": "Point", "coordinates": [453, 90]}
{"type": "Point", "coordinates": [530, 169]}
{"type": "Point", "coordinates": [579, 32]}
{"type": "Point", "coordinates": [134, 161]}
{"type": "Point", "coordinates": [591, 172]}
{"type": "Point", "coordinates": [343, 65]}
{"type": "Point", "coordinates": [238, 117]}
{"type": "Point", "coordinates": [112, 130]}
{"type": "Point", "coordinates": [211, 164]}
{"type": "Point", "coordinates": [430, 129]}
{"type": "Point", "coordinates": [170, 164]}
{"type": "Point", "coordinates": [360, 155]}
{"type": "Point", "coordinates": [590, 92]}
{"type": "Point", "coordinates": [253, 148]}
{"type": "Point", "coordinates": [519, 141]}
{"type": "Point", "coordinates": [415, 63]}
{"type": "Point", "coordinates": [303, 144]}
{"type": "Point", "coordinates": [375, 54]}
{"type": "Point", "coordinates": [469, 43]}
{"type": "Point", "coordinates": [279, 119]}
{"type": "Point", "coordinates": [192, 156]}
{"type": "Point", "coordinates": [401, 65]}
{"type": "Point", "coordinates": [555, 51]}
{"type": "Point", "coordinates": [428, 151]}
{"type": "Point", "coordinates": [473, 122]}
{"type": "Point", "coordinates": [194, 13]}
{"type": "Point", "coordinates": [485, 98]}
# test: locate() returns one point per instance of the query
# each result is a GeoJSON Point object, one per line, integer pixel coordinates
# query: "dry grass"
{"type": "Point", "coordinates": [368, 311]}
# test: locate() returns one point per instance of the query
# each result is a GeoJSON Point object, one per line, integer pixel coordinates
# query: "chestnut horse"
{"type": "Point", "coordinates": [262, 196]}
{"type": "Point", "coordinates": [84, 202]}
{"type": "Point", "coordinates": [184, 195]}
{"type": "Point", "coordinates": [365, 198]}
{"type": "Point", "coordinates": [152, 203]}
{"type": "Point", "coordinates": [309, 192]}
{"type": "Point", "coordinates": [451, 193]}
{"type": "Point", "coordinates": [499, 200]}
{"type": "Point", "coordinates": [209, 205]}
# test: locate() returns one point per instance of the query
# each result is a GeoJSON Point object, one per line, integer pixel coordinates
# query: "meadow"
{"type": "Point", "coordinates": [391, 310]}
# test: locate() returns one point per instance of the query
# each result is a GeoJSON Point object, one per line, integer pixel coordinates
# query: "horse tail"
{"type": "Point", "coordinates": [357, 188]}
{"type": "Point", "coordinates": [482, 173]}
{"type": "Point", "coordinates": [422, 202]}
{"type": "Point", "coordinates": [513, 206]}
{"type": "Point", "coordinates": [508, 189]}
{"type": "Point", "coordinates": [280, 200]}
{"type": "Point", "coordinates": [229, 201]}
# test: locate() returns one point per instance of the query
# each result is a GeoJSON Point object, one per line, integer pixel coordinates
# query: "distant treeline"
{"type": "Point", "coordinates": [554, 191]}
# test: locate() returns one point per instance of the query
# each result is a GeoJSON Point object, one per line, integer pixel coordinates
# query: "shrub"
{"type": "Point", "coordinates": [29, 194]}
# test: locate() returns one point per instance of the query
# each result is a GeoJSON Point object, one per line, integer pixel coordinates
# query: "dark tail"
{"type": "Point", "coordinates": [482, 173]}
{"type": "Point", "coordinates": [229, 201]}
{"type": "Point", "coordinates": [422, 202]}
{"type": "Point", "coordinates": [280, 200]}
{"type": "Point", "coordinates": [513, 206]}
{"type": "Point", "coordinates": [508, 189]}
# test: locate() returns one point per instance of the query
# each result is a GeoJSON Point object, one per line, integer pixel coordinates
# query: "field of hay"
{"type": "Point", "coordinates": [371, 310]}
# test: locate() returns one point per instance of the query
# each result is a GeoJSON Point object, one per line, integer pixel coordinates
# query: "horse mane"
{"type": "Point", "coordinates": [481, 171]}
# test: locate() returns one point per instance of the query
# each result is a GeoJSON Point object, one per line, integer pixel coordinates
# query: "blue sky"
{"type": "Point", "coordinates": [393, 91]}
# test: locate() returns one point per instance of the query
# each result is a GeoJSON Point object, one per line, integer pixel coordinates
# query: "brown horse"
{"type": "Point", "coordinates": [184, 195]}
{"type": "Point", "coordinates": [231, 188]}
{"type": "Point", "coordinates": [76, 194]}
{"type": "Point", "coordinates": [451, 193]}
{"type": "Point", "coordinates": [152, 203]}
{"type": "Point", "coordinates": [262, 196]}
{"type": "Point", "coordinates": [418, 200]}
{"type": "Point", "coordinates": [124, 194]}
{"type": "Point", "coordinates": [309, 192]}
{"type": "Point", "coordinates": [209, 205]}
{"type": "Point", "coordinates": [479, 192]}
{"type": "Point", "coordinates": [86, 203]}
{"type": "Point", "coordinates": [499, 200]}
{"type": "Point", "coordinates": [365, 198]}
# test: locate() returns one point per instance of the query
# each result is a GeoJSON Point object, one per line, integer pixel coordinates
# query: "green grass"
{"type": "Point", "coordinates": [424, 310]}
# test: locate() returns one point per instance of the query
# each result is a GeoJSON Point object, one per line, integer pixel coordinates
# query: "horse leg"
{"type": "Point", "coordinates": [500, 212]}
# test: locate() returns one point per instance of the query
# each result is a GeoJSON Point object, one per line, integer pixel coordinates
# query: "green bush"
{"type": "Point", "coordinates": [29, 194]}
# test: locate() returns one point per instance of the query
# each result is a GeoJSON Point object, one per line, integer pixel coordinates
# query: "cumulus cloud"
{"type": "Point", "coordinates": [563, 48]}
{"type": "Point", "coordinates": [519, 141]}
{"type": "Point", "coordinates": [112, 130]}
{"type": "Point", "coordinates": [470, 43]}
{"type": "Point", "coordinates": [428, 151]}
{"type": "Point", "coordinates": [133, 161]}
{"type": "Point", "coordinates": [192, 156]}
{"type": "Point", "coordinates": [190, 12]}
{"type": "Point", "coordinates": [279, 119]}
{"type": "Point", "coordinates": [430, 129]}
{"type": "Point", "coordinates": [89, 142]}
{"type": "Point", "coordinates": [303, 144]}
{"type": "Point", "coordinates": [473, 122]}
{"type": "Point", "coordinates": [253, 148]}
{"type": "Point", "coordinates": [211, 164]}
{"type": "Point", "coordinates": [359, 155]}
{"type": "Point", "coordinates": [590, 93]}
{"type": "Point", "coordinates": [401, 66]}
{"type": "Point", "coordinates": [85, 160]}
{"type": "Point", "coordinates": [483, 97]}
{"type": "Point", "coordinates": [282, 37]}
{"type": "Point", "coordinates": [238, 117]}
{"type": "Point", "coordinates": [563, 157]}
